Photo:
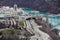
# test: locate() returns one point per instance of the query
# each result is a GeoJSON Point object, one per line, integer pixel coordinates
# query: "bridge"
{"type": "Point", "coordinates": [34, 16]}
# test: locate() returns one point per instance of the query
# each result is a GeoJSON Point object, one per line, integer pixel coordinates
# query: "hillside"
{"type": "Point", "coordinates": [51, 6]}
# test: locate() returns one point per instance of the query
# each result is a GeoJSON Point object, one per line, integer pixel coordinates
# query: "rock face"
{"type": "Point", "coordinates": [51, 6]}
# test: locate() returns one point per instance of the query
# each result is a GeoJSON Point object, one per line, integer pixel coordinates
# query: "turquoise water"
{"type": "Point", "coordinates": [54, 20]}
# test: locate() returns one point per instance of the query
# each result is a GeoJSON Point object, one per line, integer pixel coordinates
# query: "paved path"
{"type": "Point", "coordinates": [44, 35]}
{"type": "Point", "coordinates": [37, 31]}
{"type": "Point", "coordinates": [29, 27]}
{"type": "Point", "coordinates": [4, 29]}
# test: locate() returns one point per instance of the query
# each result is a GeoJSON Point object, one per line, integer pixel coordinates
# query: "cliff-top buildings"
{"type": "Point", "coordinates": [9, 15]}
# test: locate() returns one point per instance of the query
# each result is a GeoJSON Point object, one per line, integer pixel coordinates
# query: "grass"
{"type": "Point", "coordinates": [23, 39]}
{"type": "Point", "coordinates": [21, 23]}
{"type": "Point", "coordinates": [9, 31]}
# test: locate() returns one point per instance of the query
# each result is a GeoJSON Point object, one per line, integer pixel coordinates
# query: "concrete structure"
{"type": "Point", "coordinates": [8, 21]}
{"type": "Point", "coordinates": [35, 38]}
{"type": "Point", "coordinates": [15, 7]}
{"type": "Point", "coordinates": [9, 15]}
{"type": "Point", "coordinates": [32, 27]}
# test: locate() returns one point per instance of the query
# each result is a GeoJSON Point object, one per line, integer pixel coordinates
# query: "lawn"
{"type": "Point", "coordinates": [21, 23]}
{"type": "Point", "coordinates": [9, 31]}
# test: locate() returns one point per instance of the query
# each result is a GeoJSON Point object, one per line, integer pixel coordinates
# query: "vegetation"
{"type": "Point", "coordinates": [21, 23]}
{"type": "Point", "coordinates": [23, 39]}
{"type": "Point", "coordinates": [9, 31]}
{"type": "Point", "coordinates": [10, 34]}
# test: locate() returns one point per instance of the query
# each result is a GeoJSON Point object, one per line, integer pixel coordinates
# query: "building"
{"type": "Point", "coordinates": [9, 16]}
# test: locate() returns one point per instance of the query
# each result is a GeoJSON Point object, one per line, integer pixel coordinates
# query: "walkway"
{"type": "Point", "coordinates": [43, 36]}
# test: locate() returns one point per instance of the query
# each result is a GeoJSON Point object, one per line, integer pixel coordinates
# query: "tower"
{"type": "Point", "coordinates": [15, 7]}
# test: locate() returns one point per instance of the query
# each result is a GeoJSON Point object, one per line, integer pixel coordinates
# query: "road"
{"type": "Point", "coordinates": [29, 27]}
{"type": "Point", "coordinates": [4, 29]}
{"type": "Point", "coordinates": [31, 24]}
